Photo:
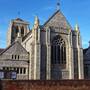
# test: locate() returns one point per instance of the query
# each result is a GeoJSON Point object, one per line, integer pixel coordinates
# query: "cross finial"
{"type": "Point", "coordinates": [58, 5]}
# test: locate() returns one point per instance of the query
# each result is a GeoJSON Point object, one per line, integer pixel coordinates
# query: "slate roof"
{"type": "Point", "coordinates": [57, 20]}
{"type": "Point", "coordinates": [19, 20]}
{"type": "Point", "coordinates": [11, 46]}
{"type": "Point", "coordinates": [30, 31]}
{"type": "Point", "coordinates": [1, 50]}
{"type": "Point", "coordinates": [85, 50]}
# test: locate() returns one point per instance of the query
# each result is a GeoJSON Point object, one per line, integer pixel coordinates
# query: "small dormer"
{"type": "Point", "coordinates": [17, 26]}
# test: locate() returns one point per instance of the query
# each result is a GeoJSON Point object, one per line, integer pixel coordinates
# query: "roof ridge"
{"type": "Point", "coordinates": [58, 11]}
{"type": "Point", "coordinates": [7, 48]}
{"type": "Point", "coordinates": [51, 17]}
{"type": "Point", "coordinates": [11, 46]}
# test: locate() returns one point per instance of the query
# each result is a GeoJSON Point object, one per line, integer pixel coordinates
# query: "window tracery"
{"type": "Point", "coordinates": [58, 51]}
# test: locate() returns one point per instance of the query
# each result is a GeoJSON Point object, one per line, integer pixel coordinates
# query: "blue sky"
{"type": "Point", "coordinates": [76, 11]}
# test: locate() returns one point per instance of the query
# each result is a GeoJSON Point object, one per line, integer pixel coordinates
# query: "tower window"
{"type": "Point", "coordinates": [22, 31]}
{"type": "Point", "coordinates": [17, 30]}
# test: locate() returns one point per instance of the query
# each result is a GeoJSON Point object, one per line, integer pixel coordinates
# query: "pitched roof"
{"type": "Point", "coordinates": [26, 35]}
{"type": "Point", "coordinates": [1, 49]}
{"type": "Point", "coordinates": [85, 50]}
{"type": "Point", "coordinates": [30, 32]}
{"type": "Point", "coordinates": [57, 20]}
{"type": "Point", "coordinates": [19, 20]}
{"type": "Point", "coordinates": [14, 48]}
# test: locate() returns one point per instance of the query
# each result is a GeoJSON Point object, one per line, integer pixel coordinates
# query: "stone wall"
{"type": "Point", "coordinates": [45, 85]}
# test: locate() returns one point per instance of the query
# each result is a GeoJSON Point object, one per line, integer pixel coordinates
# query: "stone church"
{"type": "Point", "coordinates": [52, 51]}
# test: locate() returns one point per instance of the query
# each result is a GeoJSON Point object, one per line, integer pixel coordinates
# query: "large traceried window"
{"type": "Point", "coordinates": [58, 51]}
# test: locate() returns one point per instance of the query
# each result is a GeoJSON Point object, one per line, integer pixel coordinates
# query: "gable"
{"type": "Point", "coordinates": [15, 48]}
{"type": "Point", "coordinates": [57, 20]}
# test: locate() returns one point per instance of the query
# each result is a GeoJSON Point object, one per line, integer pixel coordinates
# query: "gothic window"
{"type": "Point", "coordinates": [17, 30]}
{"type": "Point", "coordinates": [58, 51]}
{"type": "Point", "coordinates": [22, 31]}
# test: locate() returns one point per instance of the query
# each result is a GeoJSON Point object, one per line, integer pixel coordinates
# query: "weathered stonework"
{"type": "Point", "coordinates": [49, 52]}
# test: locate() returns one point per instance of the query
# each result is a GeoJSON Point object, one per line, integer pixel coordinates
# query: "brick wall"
{"type": "Point", "coordinates": [45, 85]}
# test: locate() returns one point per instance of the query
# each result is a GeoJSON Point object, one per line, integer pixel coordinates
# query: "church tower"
{"type": "Point", "coordinates": [17, 27]}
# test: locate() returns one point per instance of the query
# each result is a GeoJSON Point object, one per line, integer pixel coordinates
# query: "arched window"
{"type": "Point", "coordinates": [22, 31]}
{"type": "Point", "coordinates": [17, 30]}
{"type": "Point", "coordinates": [58, 51]}
{"type": "Point", "coordinates": [14, 31]}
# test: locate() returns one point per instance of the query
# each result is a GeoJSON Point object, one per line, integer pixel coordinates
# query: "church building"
{"type": "Point", "coordinates": [52, 51]}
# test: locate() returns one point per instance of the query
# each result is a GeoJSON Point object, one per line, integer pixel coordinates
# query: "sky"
{"type": "Point", "coordinates": [76, 12]}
